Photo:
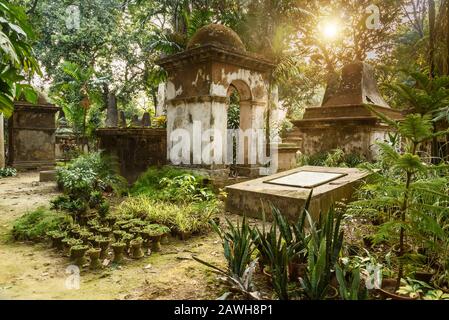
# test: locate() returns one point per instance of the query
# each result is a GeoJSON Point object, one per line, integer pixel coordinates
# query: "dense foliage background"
{"type": "Point", "coordinates": [117, 43]}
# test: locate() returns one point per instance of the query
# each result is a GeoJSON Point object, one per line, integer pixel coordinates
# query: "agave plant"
{"type": "Point", "coordinates": [352, 289]}
{"type": "Point", "coordinates": [323, 251]}
{"type": "Point", "coordinates": [238, 248]}
{"type": "Point", "coordinates": [238, 245]}
{"type": "Point", "coordinates": [284, 244]}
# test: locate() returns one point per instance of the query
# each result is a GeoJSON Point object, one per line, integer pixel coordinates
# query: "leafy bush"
{"type": "Point", "coordinates": [172, 185]}
{"type": "Point", "coordinates": [68, 204]}
{"type": "Point", "coordinates": [334, 158]}
{"type": "Point", "coordinates": [184, 188]}
{"type": "Point", "coordinates": [35, 224]}
{"type": "Point", "coordinates": [7, 172]}
{"type": "Point", "coordinates": [193, 217]}
{"type": "Point", "coordinates": [88, 173]}
{"type": "Point", "coordinates": [410, 194]}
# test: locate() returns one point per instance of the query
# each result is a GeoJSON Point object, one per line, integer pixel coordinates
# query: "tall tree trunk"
{"type": "Point", "coordinates": [447, 37]}
{"type": "Point", "coordinates": [432, 37]}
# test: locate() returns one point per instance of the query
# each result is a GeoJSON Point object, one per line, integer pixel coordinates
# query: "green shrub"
{"type": "Point", "coordinates": [334, 158]}
{"type": "Point", "coordinates": [103, 209]}
{"type": "Point", "coordinates": [69, 204]}
{"type": "Point", "coordinates": [35, 224]}
{"type": "Point", "coordinates": [88, 173]}
{"type": "Point", "coordinates": [193, 217]}
{"type": "Point", "coordinates": [96, 199]}
{"type": "Point", "coordinates": [172, 185]}
{"type": "Point", "coordinates": [7, 172]}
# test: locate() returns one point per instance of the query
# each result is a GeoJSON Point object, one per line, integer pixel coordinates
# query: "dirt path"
{"type": "Point", "coordinates": [32, 271]}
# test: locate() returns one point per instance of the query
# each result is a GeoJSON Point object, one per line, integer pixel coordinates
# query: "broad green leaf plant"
{"type": "Point", "coordinates": [411, 190]}
{"type": "Point", "coordinates": [17, 62]}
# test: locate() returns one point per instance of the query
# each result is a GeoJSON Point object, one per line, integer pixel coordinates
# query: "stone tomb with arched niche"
{"type": "Point", "coordinates": [200, 82]}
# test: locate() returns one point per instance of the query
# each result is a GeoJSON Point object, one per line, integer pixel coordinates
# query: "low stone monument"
{"type": "Point", "coordinates": [32, 135]}
{"type": "Point", "coordinates": [200, 82]}
{"type": "Point", "coordinates": [343, 121]}
{"type": "Point", "coordinates": [288, 191]}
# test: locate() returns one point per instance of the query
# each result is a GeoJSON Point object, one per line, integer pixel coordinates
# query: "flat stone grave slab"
{"type": "Point", "coordinates": [289, 191]}
{"type": "Point", "coordinates": [306, 179]}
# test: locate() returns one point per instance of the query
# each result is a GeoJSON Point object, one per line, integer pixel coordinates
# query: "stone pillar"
{"type": "Point", "coordinates": [135, 122]}
{"type": "Point", "coordinates": [146, 120]}
{"type": "Point", "coordinates": [2, 143]}
{"type": "Point", "coordinates": [112, 113]}
{"type": "Point", "coordinates": [161, 108]}
{"type": "Point", "coordinates": [122, 120]}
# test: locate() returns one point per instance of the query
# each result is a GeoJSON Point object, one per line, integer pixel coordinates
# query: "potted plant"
{"type": "Point", "coordinates": [126, 227]}
{"type": "Point", "coordinates": [126, 238]}
{"type": "Point", "coordinates": [119, 249]}
{"type": "Point", "coordinates": [56, 239]}
{"type": "Point", "coordinates": [155, 237]}
{"type": "Point", "coordinates": [103, 244]}
{"type": "Point", "coordinates": [111, 220]}
{"type": "Point", "coordinates": [155, 232]}
{"type": "Point", "coordinates": [424, 273]}
{"type": "Point", "coordinates": [388, 291]}
{"type": "Point", "coordinates": [93, 225]}
{"type": "Point", "coordinates": [77, 254]}
{"type": "Point", "coordinates": [74, 230]}
{"type": "Point", "coordinates": [135, 231]}
{"type": "Point", "coordinates": [85, 235]}
{"type": "Point", "coordinates": [145, 235]}
{"type": "Point", "coordinates": [103, 210]}
{"type": "Point", "coordinates": [136, 248]}
{"type": "Point", "coordinates": [94, 255]}
{"type": "Point", "coordinates": [105, 231]}
{"type": "Point", "coordinates": [118, 235]}
{"type": "Point", "coordinates": [118, 225]}
{"type": "Point", "coordinates": [67, 243]}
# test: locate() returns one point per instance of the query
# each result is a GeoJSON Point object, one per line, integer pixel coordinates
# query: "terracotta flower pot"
{"type": "Point", "coordinates": [136, 249]}
{"type": "Point", "coordinates": [146, 238]}
{"type": "Point", "coordinates": [332, 293]}
{"type": "Point", "coordinates": [105, 232]}
{"type": "Point", "coordinates": [65, 247]}
{"type": "Point", "coordinates": [119, 249]}
{"type": "Point", "coordinates": [156, 243]}
{"type": "Point", "coordinates": [85, 235]}
{"type": "Point", "coordinates": [388, 291]}
{"type": "Point", "coordinates": [424, 276]}
{"type": "Point", "coordinates": [104, 245]}
{"type": "Point", "coordinates": [56, 240]}
{"type": "Point", "coordinates": [77, 255]}
{"type": "Point", "coordinates": [94, 255]}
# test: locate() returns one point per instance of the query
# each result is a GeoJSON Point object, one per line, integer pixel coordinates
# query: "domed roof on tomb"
{"type": "Point", "coordinates": [219, 35]}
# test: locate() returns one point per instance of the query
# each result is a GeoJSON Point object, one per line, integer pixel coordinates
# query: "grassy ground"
{"type": "Point", "coordinates": [33, 271]}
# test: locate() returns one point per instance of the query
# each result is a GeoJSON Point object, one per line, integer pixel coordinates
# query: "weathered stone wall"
{"type": "Point", "coordinates": [199, 93]}
{"type": "Point", "coordinates": [136, 149]}
{"type": "Point", "coordinates": [356, 136]}
{"type": "Point", "coordinates": [32, 136]}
